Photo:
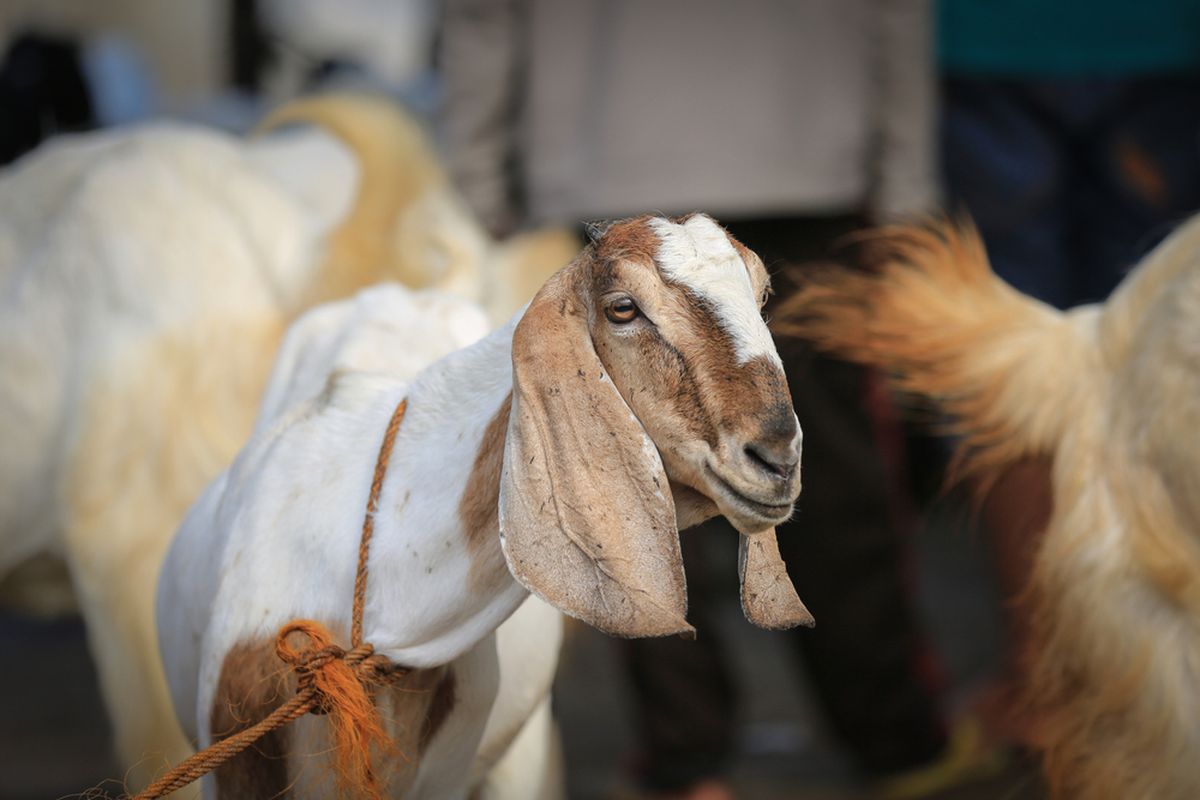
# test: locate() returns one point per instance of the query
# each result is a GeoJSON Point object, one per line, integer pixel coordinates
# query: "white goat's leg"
{"type": "Point", "coordinates": [116, 600]}
{"type": "Point", "coordinates": [145, 450]}
{"type": "Point", "coordinates": [532, 767]}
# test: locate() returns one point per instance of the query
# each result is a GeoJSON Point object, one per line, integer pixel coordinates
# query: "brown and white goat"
{"type": "Point", "coordinates": [1111, 393]}
{"type": "Point", "coordinates": [638, 394]}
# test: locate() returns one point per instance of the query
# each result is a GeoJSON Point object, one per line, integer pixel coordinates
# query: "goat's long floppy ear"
{"type": "Point", "coordinates": [586, 517]}
{"type": "Point", "coordinates": [768, 598]}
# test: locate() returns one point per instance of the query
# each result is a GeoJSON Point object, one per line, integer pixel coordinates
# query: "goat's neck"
{"type": "Point", "coordinates": [436, 558]}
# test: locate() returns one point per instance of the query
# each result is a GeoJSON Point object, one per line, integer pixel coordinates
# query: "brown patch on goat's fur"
{"type": "Point", "coordinates": [632, 239]}
{"type": "Point", "coordinates": [678, 374]}
{"type": "Point", "coordinates": [718, 393]}
{"type": "Point", "coordinates": [687, 358]}
{"type": "Point", "coordinates": [751, 397]}
{"type": "Point", "coordinates": [415, 710]}
{"type": "Point", "coordinates": [252, 684]}
{"type": "Point", "coordinates": [713, 390]}
{"type": "Point", "coordinates": [478, 509]}
{"type": "Point", "coordinates": [442, 702]}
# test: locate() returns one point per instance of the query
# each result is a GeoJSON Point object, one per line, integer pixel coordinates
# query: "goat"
{"type": "Point", "coordinates": [1111, 393]}
{"type": "Point", "coordinates": [146, 280]}
{"type": "Point", "coordinates": [637, 395]}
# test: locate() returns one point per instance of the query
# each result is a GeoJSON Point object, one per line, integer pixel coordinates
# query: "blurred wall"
{"type": "Point", "coordinates": [183, 41]}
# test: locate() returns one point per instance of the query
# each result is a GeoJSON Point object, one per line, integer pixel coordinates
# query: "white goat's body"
{"type": "Point", "coordinates": [276, 537]}
{"type": "Point", "coordinates": [123, 257]}
{"type": "Point", "coordinates": [89, 268]}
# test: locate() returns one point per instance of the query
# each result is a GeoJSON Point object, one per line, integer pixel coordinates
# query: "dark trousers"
{"type": "Point", "coordinates": [1071, 180]}
{"type": "Point", "coordinates": [848, 558]}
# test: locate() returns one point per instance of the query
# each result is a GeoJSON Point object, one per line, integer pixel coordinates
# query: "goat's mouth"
{"type": "Point", "coordinates": [770, 512]}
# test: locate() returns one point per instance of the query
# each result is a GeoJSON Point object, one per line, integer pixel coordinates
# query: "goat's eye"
{"type": "Point", "coordinates": [622, 311]}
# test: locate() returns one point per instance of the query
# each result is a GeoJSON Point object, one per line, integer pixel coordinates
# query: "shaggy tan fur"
{"type": "Point", "coordinates": [408, 224]}
{"type": "Point", "coordinates": [399, 176]}
{"type": "Point", "coordinates": [517, 267]}
{"type": "Point", "coordinates": [1112, 394]}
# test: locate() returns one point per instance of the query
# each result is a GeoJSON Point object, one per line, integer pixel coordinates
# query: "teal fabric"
{"type": "Point", "coordinates": [1068, 38]}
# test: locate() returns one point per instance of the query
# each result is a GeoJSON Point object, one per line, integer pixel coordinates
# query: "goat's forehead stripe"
{"type": "Point", "coordinates": [698, 254]}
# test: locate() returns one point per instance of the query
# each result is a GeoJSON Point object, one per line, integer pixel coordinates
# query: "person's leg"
{"type": "Point", "coordinates": [1139, 177]}
{"type": "Point", "coordinates": [684, 694]}
{"type": "Point", "coordinates": [1003, 163]}
{"type": "Point", "coordinates": [867, 657]}
{"type": "Point", "coordinates": [684, 697]}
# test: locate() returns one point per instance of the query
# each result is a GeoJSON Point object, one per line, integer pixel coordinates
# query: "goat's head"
{"type": "Point", "coordinates": [644, 380]}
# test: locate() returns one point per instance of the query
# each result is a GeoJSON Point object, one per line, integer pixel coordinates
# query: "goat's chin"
{"type": "Point", "coordinates": [692, 507]}
{"type": "Point", "coordinates": [718, 497]}
{"type": "Point", "coordinates": [750, 509]}
{"type": "Point", "coordinates": [750, 523]}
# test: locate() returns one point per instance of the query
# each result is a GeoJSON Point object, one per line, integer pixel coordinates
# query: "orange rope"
{"type": "Point", "coordinates": [330, 680]}
{"type": "Point", "coordinates": [208, 759]}
{"type": "Point", "coordinates": [368, 528]}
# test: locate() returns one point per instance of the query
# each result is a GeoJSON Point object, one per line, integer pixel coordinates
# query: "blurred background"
{"type": "Point", "coordinates": [1070, 131]}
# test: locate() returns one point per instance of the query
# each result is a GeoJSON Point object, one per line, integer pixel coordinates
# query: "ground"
{"type": "Point", "coordinates": [53, 735]}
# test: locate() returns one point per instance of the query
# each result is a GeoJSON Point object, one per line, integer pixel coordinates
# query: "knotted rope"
{"type": "Point", "coordinates": [330, 681]}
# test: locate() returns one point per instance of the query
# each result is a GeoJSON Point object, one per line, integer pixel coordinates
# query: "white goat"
{"type": "Point", "coordinates": [1112, 394]}
{"type": "Point", "coordinates": [638, 394]}
{"type": "Point", "coordinates": [146, 280]}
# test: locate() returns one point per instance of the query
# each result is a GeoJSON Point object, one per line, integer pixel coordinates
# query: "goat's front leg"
{"type": "Point", "coordinates": [532, 767]}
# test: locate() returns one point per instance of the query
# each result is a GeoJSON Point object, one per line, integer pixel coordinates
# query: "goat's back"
{"type": "Point", "coordinates": [107, 241]}
{"type": "Point", "coordinates": [1150, 337]}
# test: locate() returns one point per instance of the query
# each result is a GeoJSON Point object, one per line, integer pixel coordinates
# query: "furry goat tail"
{"type": "Point", "coordinates": [398, 168]}
{"type": "Point", "coordinates": [1009, 370]}
{"type": "Point", "coordinates": [396, 156]}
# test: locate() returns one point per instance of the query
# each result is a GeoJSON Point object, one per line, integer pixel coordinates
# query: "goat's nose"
{"type": "Point", "coordinates": [777, 457]}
